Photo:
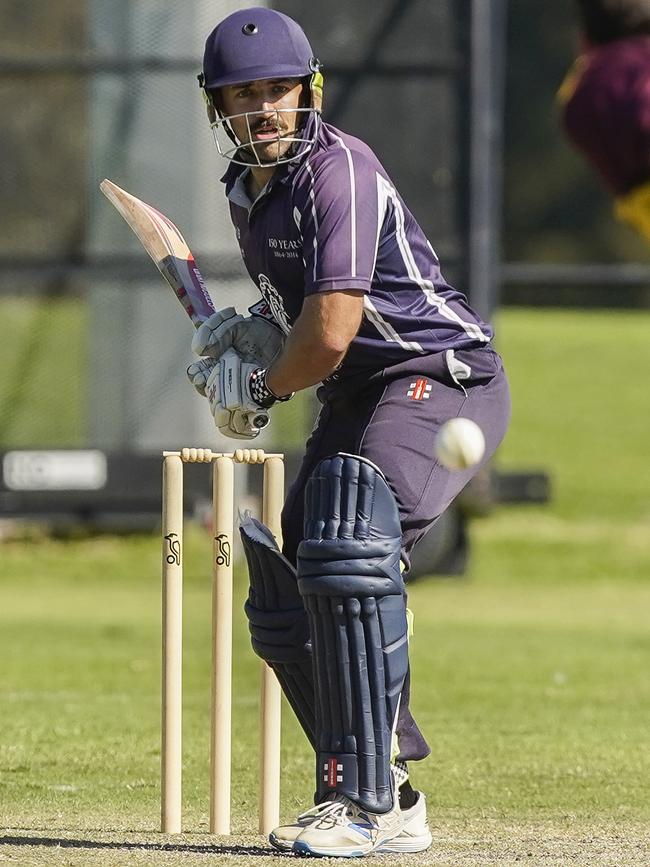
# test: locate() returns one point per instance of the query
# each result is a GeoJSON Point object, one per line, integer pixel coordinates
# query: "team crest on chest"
{"type": "Point", "coordinates": [419, 390]}
{"type": "Point", "coordinates": [274, 301]}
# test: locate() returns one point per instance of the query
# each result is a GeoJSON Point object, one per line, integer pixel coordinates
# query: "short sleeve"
{"type": "Point", "coordinates": [339, 221]}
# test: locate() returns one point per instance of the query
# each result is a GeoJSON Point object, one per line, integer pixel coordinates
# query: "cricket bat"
{"type": "Point", "coordinates": [168, 249]}
{"type": "Point", "coordinates": [173, 258]}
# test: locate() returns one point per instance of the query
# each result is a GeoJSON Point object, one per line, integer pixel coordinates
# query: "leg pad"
{"type": "Point", "coordinates": [277, 620]}
{"type": "Point", "coordinates": [349, 578]}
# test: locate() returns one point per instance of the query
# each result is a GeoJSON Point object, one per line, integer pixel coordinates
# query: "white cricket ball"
{"type": "Point", "coordinates": [460, 444]}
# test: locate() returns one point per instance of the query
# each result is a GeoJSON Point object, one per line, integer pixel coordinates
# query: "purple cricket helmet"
{"type": "Point", "coordinates": [256, 43]}
{"type": "Point", "coordinates": [253, 44]}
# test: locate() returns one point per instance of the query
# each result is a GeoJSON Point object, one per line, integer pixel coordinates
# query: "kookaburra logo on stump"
{"type": "Point", "coordinates": [223, 550]}
{"type": "Point", "coordinates": [173, 555]}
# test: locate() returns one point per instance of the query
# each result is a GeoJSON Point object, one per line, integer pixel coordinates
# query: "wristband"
{"type": "Point", "coordinates": [260, 392]}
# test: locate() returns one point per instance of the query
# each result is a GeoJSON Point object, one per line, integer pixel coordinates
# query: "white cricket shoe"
{"type": "Point", "coordinates": [415, 836]}
{"type": "Point", "coordinates": [344, 830]}
{"type": "Point", "coordinates": [284, 836]}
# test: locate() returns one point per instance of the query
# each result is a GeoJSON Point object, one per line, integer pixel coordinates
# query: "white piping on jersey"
{"type": "Point", "coordinates": [382, 205]}
{"type": "Point", "coordinates": [314, 216]}
{"type": "Point", "coordinates": [437, 301]}
{"type": "Point", "coordinates": [432, 250]}
{"type": "Point", "coordinates": [386, 329]}
{"type": "Point", "coordinates": [353, 207]}
{"type": "Point", "coordinates": [372, 314]}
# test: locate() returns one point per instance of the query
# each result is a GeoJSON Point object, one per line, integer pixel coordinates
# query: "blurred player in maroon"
{"type": "Point", "coordinates": [606, 102]}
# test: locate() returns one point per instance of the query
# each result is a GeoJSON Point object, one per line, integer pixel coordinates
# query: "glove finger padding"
{"type": "Point", "coordinates": [199, 372]}
{"type": "Point", "coordinates": [350, 580]}
{"type": "Point", "coordinates": [212, 334]}
{"type": "Point", "coordinates": [254, 338]}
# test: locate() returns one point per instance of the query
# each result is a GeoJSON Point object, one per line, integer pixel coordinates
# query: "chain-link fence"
{"type": "Point", "coordinates": [93, 346]}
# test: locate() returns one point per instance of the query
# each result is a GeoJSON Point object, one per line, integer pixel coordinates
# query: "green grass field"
{"type": "Point", "coordinates": [530, 673]}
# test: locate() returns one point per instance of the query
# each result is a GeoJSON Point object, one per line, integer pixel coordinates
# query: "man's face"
{"type": "Point", "coordinates": [261, 120]}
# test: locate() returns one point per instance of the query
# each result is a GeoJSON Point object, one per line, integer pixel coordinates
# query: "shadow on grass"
{"type": "Point", "coordinates": [208, 849]}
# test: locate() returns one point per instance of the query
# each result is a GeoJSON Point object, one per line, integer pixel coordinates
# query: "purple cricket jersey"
{"type": "Point", "coordinates": [334, 221]}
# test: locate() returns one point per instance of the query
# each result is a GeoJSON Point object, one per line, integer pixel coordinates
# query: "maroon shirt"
{"type": "Point", "coordinates": [607, 116]}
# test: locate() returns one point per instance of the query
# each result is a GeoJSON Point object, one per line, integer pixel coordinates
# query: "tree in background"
{"type": "Point", "coordinates": [606, 102]}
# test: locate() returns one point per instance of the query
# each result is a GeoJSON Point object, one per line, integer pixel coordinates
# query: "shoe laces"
{"type": "Point", "coordinates": [315, 812]}
{"type": "Point", "coordinates": [338, 811]}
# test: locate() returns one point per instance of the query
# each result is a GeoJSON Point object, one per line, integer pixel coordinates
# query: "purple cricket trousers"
{"type": "Point", "coordinates": [392, 418]}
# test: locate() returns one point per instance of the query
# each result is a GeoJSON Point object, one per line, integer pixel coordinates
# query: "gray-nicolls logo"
{"type": "Point", "coordinates": [275, 302]}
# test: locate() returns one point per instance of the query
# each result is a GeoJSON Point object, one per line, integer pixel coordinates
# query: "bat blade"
{"type": "Point", "coordinates": [167, 248]}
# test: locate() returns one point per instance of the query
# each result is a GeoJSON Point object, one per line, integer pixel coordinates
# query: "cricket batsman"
{"type": "Point", "coordinates": [353, 300]}
{"type": "Point", "coordinates": [605, 102]}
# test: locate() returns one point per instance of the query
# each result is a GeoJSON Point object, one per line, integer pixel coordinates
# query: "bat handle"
{"type": "Point", "coordinates": [198, 319]}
